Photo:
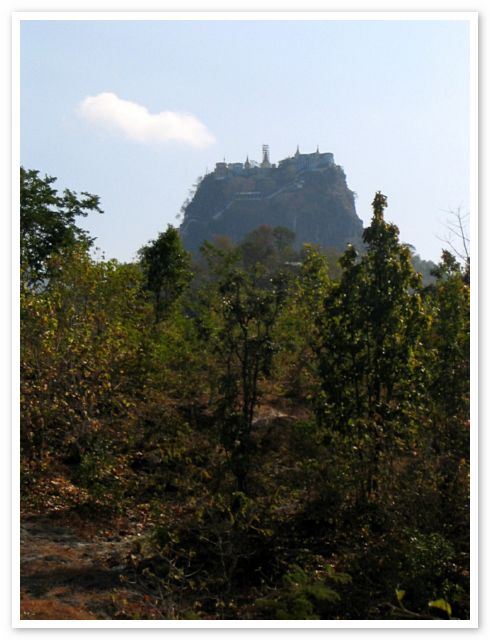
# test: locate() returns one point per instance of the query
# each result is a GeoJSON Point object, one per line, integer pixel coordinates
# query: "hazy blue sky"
{"type": "Point", "coordinates": [136, 111]}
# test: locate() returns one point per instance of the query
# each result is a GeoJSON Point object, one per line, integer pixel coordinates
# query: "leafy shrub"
{"type": "Point", "coordinates": [304, 595]}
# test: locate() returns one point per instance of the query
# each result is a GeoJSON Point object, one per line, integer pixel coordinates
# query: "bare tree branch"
{"type": "Point", "coordinates": [457, 237]}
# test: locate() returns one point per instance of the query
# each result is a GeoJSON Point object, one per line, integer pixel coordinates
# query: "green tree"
{"type": "Point", "coordinates": [391, 301]}
{"type": "Point", "coordinates": [367, 354]}
{"type": "Point", "coordinates": [80, 343]}
{"type": "Point", "coordinates": [241, 328]}
{"type": "Point", "coordinates": [299, 326]}
{"type": "Point", "coordinates": [166, 265]}
{"type": "Point", "coordinates": [448, 346]}
{"type": "Point", "coordinates": [48, 222]}
{"type": "Point", "coordinates": [271, 247]}
{"type": "Point", "coordinates": [447, 360]}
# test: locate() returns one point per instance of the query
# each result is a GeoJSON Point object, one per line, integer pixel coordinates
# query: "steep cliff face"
{"type": "Point", "coordinates": [306, 193]}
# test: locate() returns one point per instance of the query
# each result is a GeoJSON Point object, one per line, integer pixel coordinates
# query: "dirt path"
{"type": "Point", "coordinates": [71, 572]}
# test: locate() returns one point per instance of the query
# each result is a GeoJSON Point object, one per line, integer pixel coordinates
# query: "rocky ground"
{"type": "Point", "coordinates": [80, 560]}
{"type": "Point", "coordinates": [76, 565]}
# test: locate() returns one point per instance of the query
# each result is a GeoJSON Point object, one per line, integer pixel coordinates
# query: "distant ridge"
{"type": "Point", "coordinates": [307, 193]}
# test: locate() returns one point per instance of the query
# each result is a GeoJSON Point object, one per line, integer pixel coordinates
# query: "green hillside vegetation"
{"type": "Point", "coordinates": [291, 424]}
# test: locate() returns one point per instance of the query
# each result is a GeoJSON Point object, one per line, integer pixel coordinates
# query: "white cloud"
{"type": "Point", "coordinates": [137, 123]}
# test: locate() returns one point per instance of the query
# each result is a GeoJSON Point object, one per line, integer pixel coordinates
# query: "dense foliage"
{"type": "Point", "coordinates": [295, 428]}
{"type": "Point", "coordinates": [47, 221]}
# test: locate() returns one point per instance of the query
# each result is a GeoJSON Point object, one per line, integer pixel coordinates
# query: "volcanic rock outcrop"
{"type": "Point", "coordinates": [307, 193]}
